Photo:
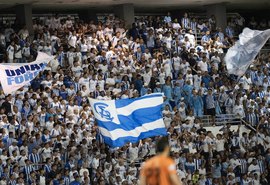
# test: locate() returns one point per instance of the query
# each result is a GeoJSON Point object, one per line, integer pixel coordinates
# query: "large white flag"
{"type": "Point", "coordinates": [243, 53]}
{"type": "Point", "coordinates": [15, 76]}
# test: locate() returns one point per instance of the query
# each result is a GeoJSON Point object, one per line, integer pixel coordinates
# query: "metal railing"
{"type": "Point", "coordinates": [248, 125]}
{"type": "Point", "coordinates": [221, 119]}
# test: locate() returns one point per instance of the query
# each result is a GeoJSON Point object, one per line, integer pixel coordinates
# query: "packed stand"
{"type": "Point", "coordinates": [48, 132]}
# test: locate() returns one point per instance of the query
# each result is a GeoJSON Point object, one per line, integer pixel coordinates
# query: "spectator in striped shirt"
{"type": "Point", "coordinates": [35, 158]}
{"type": "Point", "coordinates": [185, 22]}
{"type": "Point", "coordinates": [28, 169]}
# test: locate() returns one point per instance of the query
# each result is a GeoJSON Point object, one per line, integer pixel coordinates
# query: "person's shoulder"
{"type": "Point", "coordinates": [150, 161]}
{"type": "Point", "coordinates": [158, 159]}
{"type": "Point", "coordinates": [169, 160]}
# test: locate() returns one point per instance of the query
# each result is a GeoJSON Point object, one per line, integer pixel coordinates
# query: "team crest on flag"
{"type": "Point", "coordinates": [100, 109]}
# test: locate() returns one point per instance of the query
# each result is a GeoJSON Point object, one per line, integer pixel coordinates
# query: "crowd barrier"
{"type": "Point", "coordinates": [221, 119]}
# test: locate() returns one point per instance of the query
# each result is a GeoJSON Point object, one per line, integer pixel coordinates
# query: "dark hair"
{"type": "Point", "coordinates": [162, 144]}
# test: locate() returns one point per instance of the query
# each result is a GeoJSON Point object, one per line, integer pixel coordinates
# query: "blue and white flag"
{"type": "Point", "coordinates": [242, 54]}
{"type": "Point", "coordinates": [129, 120]}
{"type": "Point", "coordinates": [15, 75]}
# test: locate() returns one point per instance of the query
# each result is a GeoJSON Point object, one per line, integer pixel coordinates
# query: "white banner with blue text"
{"type": "Point", "coordinates": [15, 76]}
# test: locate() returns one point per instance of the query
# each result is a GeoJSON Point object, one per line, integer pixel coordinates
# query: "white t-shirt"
{"type": "Point", "coordinates": [133, 153]}
{"type": "Point", "coordinates": [184, 67]}
{"type": "Point", "coordinates": [70, 56]}
{"type": "Point", "coordinates": [47, 153]}
{"type": "Point", "coordinates": [255, 168]}
{"type": "Point", "coordinates": [95, 163]}
{"type": "Point", "coordinates": [176, 63]}
{"type": "Point", "coordinates": [203, 66]}
{"type": "Point", "coordinates": [197, 80]}
{"type": "Point", "coordinates": [220, 145]}
{"type": "Point", "coordinates": [234, 163]}
{"type": "Point", "coordinates": [191, 39]}
{"type": "Point", "coordinates": [48, 50]}
{"type": "Point", "coordinates": [69, 23]}
{"type": "Point", "coordinates": [85, 81]}
{"type": "Point", "coordinates": [72, 40]}
{"type": "Point", "coordinates": [46, 83]}
{"type": "Point", "coordinates": [216, 61]}
{"type": "Point", "coordinates": [77, 71]}
{"type": "Point", "coordinates": [93, 84]}
{"type": "Point", "coordinates": [168, 41]}
{"type": "Point", "coordinates": [10, 51]}
{"type": "Point", "coordinates": [26, 51]}
{"type": "Point", "coordinates": [84, 47]}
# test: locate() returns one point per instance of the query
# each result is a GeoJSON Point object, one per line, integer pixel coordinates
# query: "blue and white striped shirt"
{"type": "Point", "coordinates": [47, 168]}
{"type": "Point", "coordinates": [66, 180]}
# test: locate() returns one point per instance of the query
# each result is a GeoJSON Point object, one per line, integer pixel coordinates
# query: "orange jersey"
{"type": "Point", "coordinates": [157, 170]}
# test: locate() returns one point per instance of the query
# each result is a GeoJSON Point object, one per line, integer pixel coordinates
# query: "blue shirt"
{"type": "Point", "coordinates": [187, 90]}
{"type": "Point", "coordinates": [48, 115]}
{"type": "Point", "coordinates": [35, 84]}
{"type": "Point", "coordinates": [56, 182]}
{"type": "Point", "coordinates": [196, 101]}
{"type": "Point", "coordinates": [167, 19]}
{"type": "Point", "coordinates": [144, 91]}
{"type": "Point", "coordinates": [25, 111]}
{"type": "Point", "coordinates": [167, 90]}
{"type": "Point", "coordinates": [177, 92]}
{"type": "Point", "coordinates": [206, 38]}
{"type": "Point", "coordinates": [190, 166]}
{"type": "Point", "coordinates": [75, 183]}
{"type": "Point", "coordinates": [206, 80]}
{"type": "Point", "coordinates": [138, 85]}
{"type": "Point", "coordinates": [216, 171]}
{"type": "Point", "coordinates": [68, 82]}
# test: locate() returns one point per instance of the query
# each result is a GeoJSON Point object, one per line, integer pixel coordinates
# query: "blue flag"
{"type": "Point", "coordinates": [129, 120]}
{"type": "Point", "coordinates": [242, 54]}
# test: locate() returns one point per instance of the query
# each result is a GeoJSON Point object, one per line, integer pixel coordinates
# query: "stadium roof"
{"type": "Point", "coordinates": [139, 4]}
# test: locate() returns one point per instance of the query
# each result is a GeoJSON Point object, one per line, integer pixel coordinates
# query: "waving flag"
{"type": "Point", "coordinates": [129, 120]}
{"type": "Point", "coordinates": [242, 54]}
{"type": "Point", "coordinates": [15, 76]}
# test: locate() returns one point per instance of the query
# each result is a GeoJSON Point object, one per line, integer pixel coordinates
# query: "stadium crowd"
{"type": "Point", "coordinates": [48, 133]}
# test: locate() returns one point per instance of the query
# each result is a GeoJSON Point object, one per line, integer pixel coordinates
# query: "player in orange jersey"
{"type": "Point", "coordinates": [161, 169]}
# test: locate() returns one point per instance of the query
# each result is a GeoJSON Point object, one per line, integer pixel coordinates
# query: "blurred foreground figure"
{"type": "Point", "coordinates": [161, 169]}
